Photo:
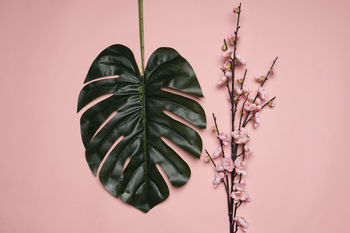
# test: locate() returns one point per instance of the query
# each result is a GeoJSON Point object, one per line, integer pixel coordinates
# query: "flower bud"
{"type": "Point", "coordinates": [272, 104]}
{"type": "Point", "coordinates": [260, 78]}
{"type": "Point", "coordinates": [224, 47]}
{"type": "Point", "coordinates": [236, 10]}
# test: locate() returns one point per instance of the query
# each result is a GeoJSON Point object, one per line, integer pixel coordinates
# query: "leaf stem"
{"type": "Point", "coordinates": [142, 43]}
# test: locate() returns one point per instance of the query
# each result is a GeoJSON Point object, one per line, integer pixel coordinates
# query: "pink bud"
{"type": "Point", "coordinates": [262, 93]}
{"type": "Point", "coordinates": [272, 104]}
{"type": "Point", "coordinates": [237, 90]}
{"type": "Point", "coordinates": [217, 153]}
{"type": "Point", "coordinates": [228, 74]}
{"type": "Point", "coordinates": [227, 65]}
{"type": "Point", "coordinates": [240, 60]}
{"type": "Point", "coordinates": [227, 54]}
{"type": "Point", "coordinates": [260, 78]}
{"type": "Point", "coordinates": [224, 47]}
{"type": "Point", "coordinates": [222, 81]}
{"type": "Point", "coordinates": [231, 39]}
{"type": "Point", "coordinates": [236, 10]}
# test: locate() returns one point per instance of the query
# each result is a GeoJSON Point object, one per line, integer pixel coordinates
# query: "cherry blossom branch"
{"type": "Point", "coordinates": [261, 85]}
{"type": "Point", "coordinates": [235, 165]}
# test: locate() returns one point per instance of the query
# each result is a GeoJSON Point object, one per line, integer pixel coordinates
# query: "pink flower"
{"type": "Point", "coordinates": [240, 60]}
{"type": "Point", "coordinates": [258, 101]}
{"type": "Point", "coordinates": [248, 106]}
{"type": "Point", "coordinates": [256, 117]}
{"type": "Point", "coordinates": [247, 150]}
{"type": "Point", "coordinates": [224, 138]}
{"type": "Point", "coordinates": [237, 90]}
{"type": "Point", "coordinates": [218, 177]}
{"type": "Point", "coordinates": [228, 164]}
{"type": "Point", "coordinates": [260, 78]}
{"type": "Point", "coordinates": [228, 74]}
{"type": "Point", "coordinates": [272, 104]}
{"type": "Point", "coordinates": [242, 223]}
{"type": "Point", "coordinates": [222, 81]}
{"type": "Point", "coordinates": [240, 193]}
{"type": "Point", "coordinates": [231, 39]}
{"type": "Point", "coordinates": [250, 99]}
{"type": "Point", "coordinates": [262, 93]}
{"type": "Point", "coordinates": [219, 168]}
{"type": "Point", "coordinates": [227, 54]}
{"type": "Point", "coordinates": [217, 153]}
{"type": "Point", "coordinates": [241, 136]}
{"type": "Point", "coordinates": [240, 167]}
{"type": "Point", "coordinates": [245, 90]}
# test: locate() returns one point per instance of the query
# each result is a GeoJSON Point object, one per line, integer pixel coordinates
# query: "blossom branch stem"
{"type": "Point", "coordinates": [233, 114]}
{"type": "Point", "coordinates": [210, 158]}
{"type": "Point", "coordinates": [261, 85]}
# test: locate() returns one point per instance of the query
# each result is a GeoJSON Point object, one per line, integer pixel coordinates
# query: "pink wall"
{"type": "Point", "coordinates": [298, 176]}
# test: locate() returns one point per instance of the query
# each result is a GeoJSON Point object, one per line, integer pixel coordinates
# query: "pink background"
{"type": "Point", "coordinates": [298, 175]}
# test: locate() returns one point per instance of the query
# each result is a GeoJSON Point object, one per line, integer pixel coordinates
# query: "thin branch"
{"type": "Point", "coordinates": [210, 158]}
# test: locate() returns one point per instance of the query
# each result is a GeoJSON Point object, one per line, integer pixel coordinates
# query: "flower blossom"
{"type": "Point", "coordinates": [272, 104]}
{"type": "Point", "coordinates": [240, 193]}
{"type": "Point", "coordinates": [227, 54]}
{"type": "Point", "coordinates": [220, 168]}
{"type": "Point", "coordinates": [240, 60]}
{"type": "Point", "coordinates": [217, 153]}
{"type": "Point", "coordinates": [228, 164]}
{"type": "Point", "coordinates": [247, 150]}
{"type": "Point", "coordinates": [236, 10]}
{"type": "Point", "coordinates": [260, 78]}
{"type": "Point", "coordinates": [245, 90]}
{"type": "Point", "coordinates": [262, 93]}
{"type": "Point", "coordinates": [218, 177]}
{"type": "Point", "coordinates": [222, 81]}
{"type": "Point", "coordinates": [232, 38]}
{"type": "Point", "coordinates": [240, 136]}
{"type": "Point", "coordinates": [228, 74]}
{"type": "Point", "coordinates": [242, 223]}
{"type": "Point", "coordinates": [240, 167]}
{"type": "Point", "coordinates": [224, 138]}
{"type": "Point", "coordinates": [237, 90]}
{"type": "Point", "coordinates": [256, 119]}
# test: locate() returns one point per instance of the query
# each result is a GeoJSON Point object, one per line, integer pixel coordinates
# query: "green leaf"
{"type": "Point", "coordinates": [140, 122]}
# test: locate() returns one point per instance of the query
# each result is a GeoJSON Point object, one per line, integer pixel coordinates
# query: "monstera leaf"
{"type": "Point", "coordinates": [133, 112]}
